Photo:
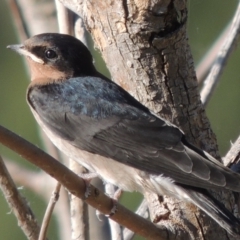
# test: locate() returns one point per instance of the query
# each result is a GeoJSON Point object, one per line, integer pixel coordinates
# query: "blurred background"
{"type": "Point", "coordinates": [207, 20]}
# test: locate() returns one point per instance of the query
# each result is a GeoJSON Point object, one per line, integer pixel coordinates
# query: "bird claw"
{"type": "Point", "coordinates": [99, 215]}
{"type": "Point", "coordinates": [115, 197]}
{"type": "Point", "coordinates": [112, 212]}
{"type": "Point", "coordinates": [88, 189]}
{"type": "Point", "coordinates": [114, 209]}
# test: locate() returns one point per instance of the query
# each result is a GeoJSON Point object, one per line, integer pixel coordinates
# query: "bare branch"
{"type": "Point", "coordinates": [48, 213]}
{"type": "Point", "coordinates": [19, 206]}
{"type": "Point", "coordinates": [36, 182]}
{"type": "Point", "coordinates": [207, 61]}
{"type": "Point", "coordinates": [233, 154]}
{"type": "Point", "coordinates": [214, 76]}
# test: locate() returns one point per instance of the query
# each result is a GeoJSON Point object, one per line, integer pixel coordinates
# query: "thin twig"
{"type": "Point", "coordinates": [77, 186]}
{"type": "Point", "coordinates": [207, 61]}
{"type": "Point", "coordinates": [233, 154]}
{"type": "Point", "coordinates": [19, 206]}
{"type": "Point", "coordinates": [36, 182]}
{"type": "Point", "coordinates": [49, 211]}
{"type": "Point", "coordinates": [213, 78]}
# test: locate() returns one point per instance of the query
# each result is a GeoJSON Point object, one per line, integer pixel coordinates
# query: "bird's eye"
{"type": "Point", "coordinates": [50, 54]}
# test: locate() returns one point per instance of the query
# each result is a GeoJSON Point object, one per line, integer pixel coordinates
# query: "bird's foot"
{"type": "Point", "coordinates": [115, 197]}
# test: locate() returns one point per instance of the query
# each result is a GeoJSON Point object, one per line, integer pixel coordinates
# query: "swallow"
{"type": "Point", "coordinates": [97, 123]}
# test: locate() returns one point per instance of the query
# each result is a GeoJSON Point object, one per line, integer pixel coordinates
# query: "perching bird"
{"type": "Point", "coordinates": [97, 123]}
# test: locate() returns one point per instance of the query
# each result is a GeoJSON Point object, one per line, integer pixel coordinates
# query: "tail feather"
{"type": "Point", "coordinates": [201, 198]}
{"type": "Point", "coordinates": [215, 210]}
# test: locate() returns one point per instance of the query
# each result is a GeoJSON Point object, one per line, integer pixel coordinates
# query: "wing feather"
{"type": "Point", "coordinates": [109, 122]}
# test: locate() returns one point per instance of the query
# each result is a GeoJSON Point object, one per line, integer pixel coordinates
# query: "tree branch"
{"type": "Point", "coordinates": [49, 212]}
{"type": "Point", "coordinates": [19, 206]}
{"type": "Point", "coordinates": [233, 155]}
{"type": "Point", "coordinates": [36, 182]}
{"type": "Point", "coordinates": [208, 60]}
{"type": "Point", "coordinates": [213, 78]}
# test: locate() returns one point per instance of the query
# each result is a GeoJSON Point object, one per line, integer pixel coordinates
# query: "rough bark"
{"type": "Point", "coordinates": [145, 46]}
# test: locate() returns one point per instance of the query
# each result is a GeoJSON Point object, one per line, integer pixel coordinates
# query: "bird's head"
{"type": "Point", "coordinates": [56, 56]}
